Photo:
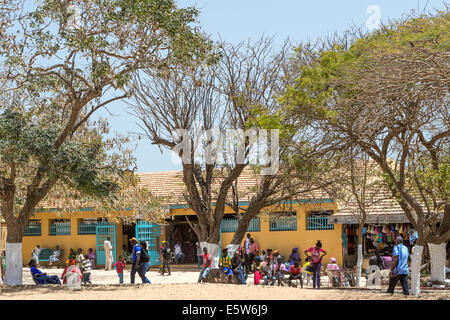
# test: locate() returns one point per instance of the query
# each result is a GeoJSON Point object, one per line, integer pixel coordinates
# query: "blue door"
{"type": "Point", "coordinates": [104, 230]}
{"type": "Point", "coordinates": [150, 233]}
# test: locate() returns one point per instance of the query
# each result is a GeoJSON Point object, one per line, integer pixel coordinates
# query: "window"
{"type": "Point", "coordinates": [33, 228]}
{"type": "Point", "coordinates": [318, 220]}
{"type": "Point", "coordinates": [59, 227]}
{"type": "Point", "coordinates": [231, 224]}
{"type": "Point", "coordinates": [87, 226]}
{"type": "Point", "coordinates": [283, 221]}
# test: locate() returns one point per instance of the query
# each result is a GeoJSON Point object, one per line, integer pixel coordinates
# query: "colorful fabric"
{"type": "Point", "coordinates": [225, 261]}
{"type": "Point", "coordinates": [295, 271]}
{"type": "Point", "coordinates": [315, 254]}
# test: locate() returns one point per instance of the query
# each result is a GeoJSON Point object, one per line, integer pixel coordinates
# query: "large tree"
{"type": "Point", "coordinates": [206, 103]}
{"type": "Point", "coordinates": [60, 62]}
{"type": "Point", "coordinates": [387, 94]}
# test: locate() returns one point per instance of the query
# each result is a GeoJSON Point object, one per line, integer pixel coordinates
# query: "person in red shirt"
{"type": "Point", "coordinates": [206, 268]}
{"type": "Point", "coordinates": [295, 272]}
{"type": "Point", "coordinates": [120, 265]}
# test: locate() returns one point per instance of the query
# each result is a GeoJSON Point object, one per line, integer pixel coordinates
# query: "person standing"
{"type": "Point", "coordinates": [166, 258]}
{"type": "Point", "coordinates": [56, 256]}
{"type": "Point", "coordinates": [120, 265]}
{"type": "Point", "coordinates": [144, 262]}
{"type": "Point", "coordinates": [317, 253]}
{"type": "Point", "coordinates": [399, 267]}
{"type": "Point", "coordinates": [108, 254]}
{"type": "Point", "coordinates": [86, 270]}
{"type": "Point", "coordinates": [136, 258]}
{"type": "Point", "coordinates": [79, 258]}
{"type": "Point", "coordinates": [178, 253]}
{"type": "Point", "coordinates": [246, 252]}
{"type": "Point", "coordinates": [254, 251]}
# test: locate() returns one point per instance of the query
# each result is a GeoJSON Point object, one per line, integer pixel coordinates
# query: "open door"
{"type": "Point", "coordinates": [104, 230]}
{"type": "Point", "coordinates": [150, 233]}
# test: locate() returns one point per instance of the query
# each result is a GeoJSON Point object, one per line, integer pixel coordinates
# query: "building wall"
{"type": "Point", "coordinates": [284, 241]}
{"type": "Point", "coordinates": [66, 242]}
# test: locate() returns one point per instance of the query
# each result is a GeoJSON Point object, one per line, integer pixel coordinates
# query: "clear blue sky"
{"type": "Point", "coordinates": [239, 20]}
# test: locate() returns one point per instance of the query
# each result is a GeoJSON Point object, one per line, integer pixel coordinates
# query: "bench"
{"type": "Point", "coordinates": [44, 256]}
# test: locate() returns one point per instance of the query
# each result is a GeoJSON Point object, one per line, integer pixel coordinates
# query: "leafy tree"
{"type": "Point", "coordinates": [60, 62]}
{"type": "Point", "coordinates": [387, 94]}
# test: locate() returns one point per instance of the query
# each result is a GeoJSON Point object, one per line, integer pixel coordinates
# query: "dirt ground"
{"type": "Point", "coordinates": [182, 285]}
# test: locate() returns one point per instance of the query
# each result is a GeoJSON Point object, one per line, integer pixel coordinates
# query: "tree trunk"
{"type": "Point", "coordinates": [14, 261]}
{"type": "Point", "coordinates": [360, 255]}
{"type": "Point", "coordinates": [437, 261]}
{"type": "Point", "coordinates": [416, 263]}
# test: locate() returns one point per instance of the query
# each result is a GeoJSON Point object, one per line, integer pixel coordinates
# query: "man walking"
{"type": "Point", "coordinates": [166, 257]}
{"type": "Point", "coordinates": [108, 254]}
{"type": "Point", "coordinates": [399, 268]}
{"type": "Point", "coordinates": [136, 258]}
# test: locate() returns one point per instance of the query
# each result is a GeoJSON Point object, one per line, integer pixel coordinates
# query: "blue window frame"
{"type": "Point", "coordinates": [33, 228]}
{"type": "Point", "coordinates": [283, 221]}
{"type": "Point", "coordinates": [59, 228]}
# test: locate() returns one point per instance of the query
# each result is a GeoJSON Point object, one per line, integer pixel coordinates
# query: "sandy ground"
{"type": "Point", "coordinates": [182, 285]}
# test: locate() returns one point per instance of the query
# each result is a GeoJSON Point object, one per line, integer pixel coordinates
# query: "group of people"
{"type": "Point", "coordinates": [80, 266]}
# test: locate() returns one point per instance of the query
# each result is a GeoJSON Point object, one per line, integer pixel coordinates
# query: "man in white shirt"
{"type": "Point", "coordinates": [178, 253]}
{"type": "Point", "coordinates": [108, 254]}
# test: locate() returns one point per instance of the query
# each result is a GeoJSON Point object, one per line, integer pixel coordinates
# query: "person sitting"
{"type": "Point", "coordinates": [276, 255]}
{"type": "Point", "coordinates": [263, 256]}
{"type": "Point", "coordinates": [267, 272]}
{"type": "Point", "coordinates": [376, 260]}
{"type": "Point", "coordinates": [334, 273]}
{"type": "Point", "coordinates": [225, 263]}
{"type": "Point", "coordinates": [91, 257]}
{"type": "Point", "coordinates": [294, 257]}
{"type": "Point", "coordinates": [56, 256]}
{"type": "Point", "coordinates": [179, 255]}
{"type": "Point", "coordinates": [295, 273]}
{"type": "Point", "coordinates": [279, 270]}
{"type": "Point", "coordinates": [258, 275]}
{"type": "Point", "coordinates": [236, 265]}
{"type": "Point", "coordinates": [41, 278]}
{"type": "Point", "coordinates": [70, 271]}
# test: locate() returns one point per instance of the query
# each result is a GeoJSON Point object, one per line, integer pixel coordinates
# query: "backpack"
{"type": "Point", "coordinates": [144, 255]}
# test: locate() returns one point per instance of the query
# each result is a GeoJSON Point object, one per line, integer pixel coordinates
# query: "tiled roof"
{"type": "Point", "coordinates": [170, 185]}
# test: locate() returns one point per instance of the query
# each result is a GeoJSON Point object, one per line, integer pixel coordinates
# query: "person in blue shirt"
{"type": "Point", "coordinates": [399, 267]}
{"type": "Point", "coordinates": [136, 257]}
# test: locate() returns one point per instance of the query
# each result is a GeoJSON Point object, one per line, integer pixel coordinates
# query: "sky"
{"type": "Point", "coordinates": [234, 21]}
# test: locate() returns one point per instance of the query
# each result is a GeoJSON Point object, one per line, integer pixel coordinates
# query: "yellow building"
{"type": "Point", "coordinates": [301, 227]}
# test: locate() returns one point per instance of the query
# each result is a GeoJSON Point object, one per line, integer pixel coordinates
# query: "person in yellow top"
{"type": "Point", "coordinates": [225, 263]}
{"type": "Point", "coordinates": [307, 270]}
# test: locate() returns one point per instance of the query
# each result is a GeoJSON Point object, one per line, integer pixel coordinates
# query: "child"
{"type": "Point", "coordinates": [86, 269]}
{"type": "Point", "coordinates": [120, 265]}
{"type": "Point", "coordinates": [307, 269]}
{"type": "Point", "coordinates": [295, 272]}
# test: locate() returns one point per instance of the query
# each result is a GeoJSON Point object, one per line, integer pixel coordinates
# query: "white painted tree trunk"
{"type": "Point", "coordinates": [14, 264]}
{"type": "Point", "coordinates": [359, 265]}
{"type": "Point", "coordinates": [437, 261]}
{"type": "Point", "coordinates": [213, 250]}
{"type": "Point", "coordinates": [416, 263]}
